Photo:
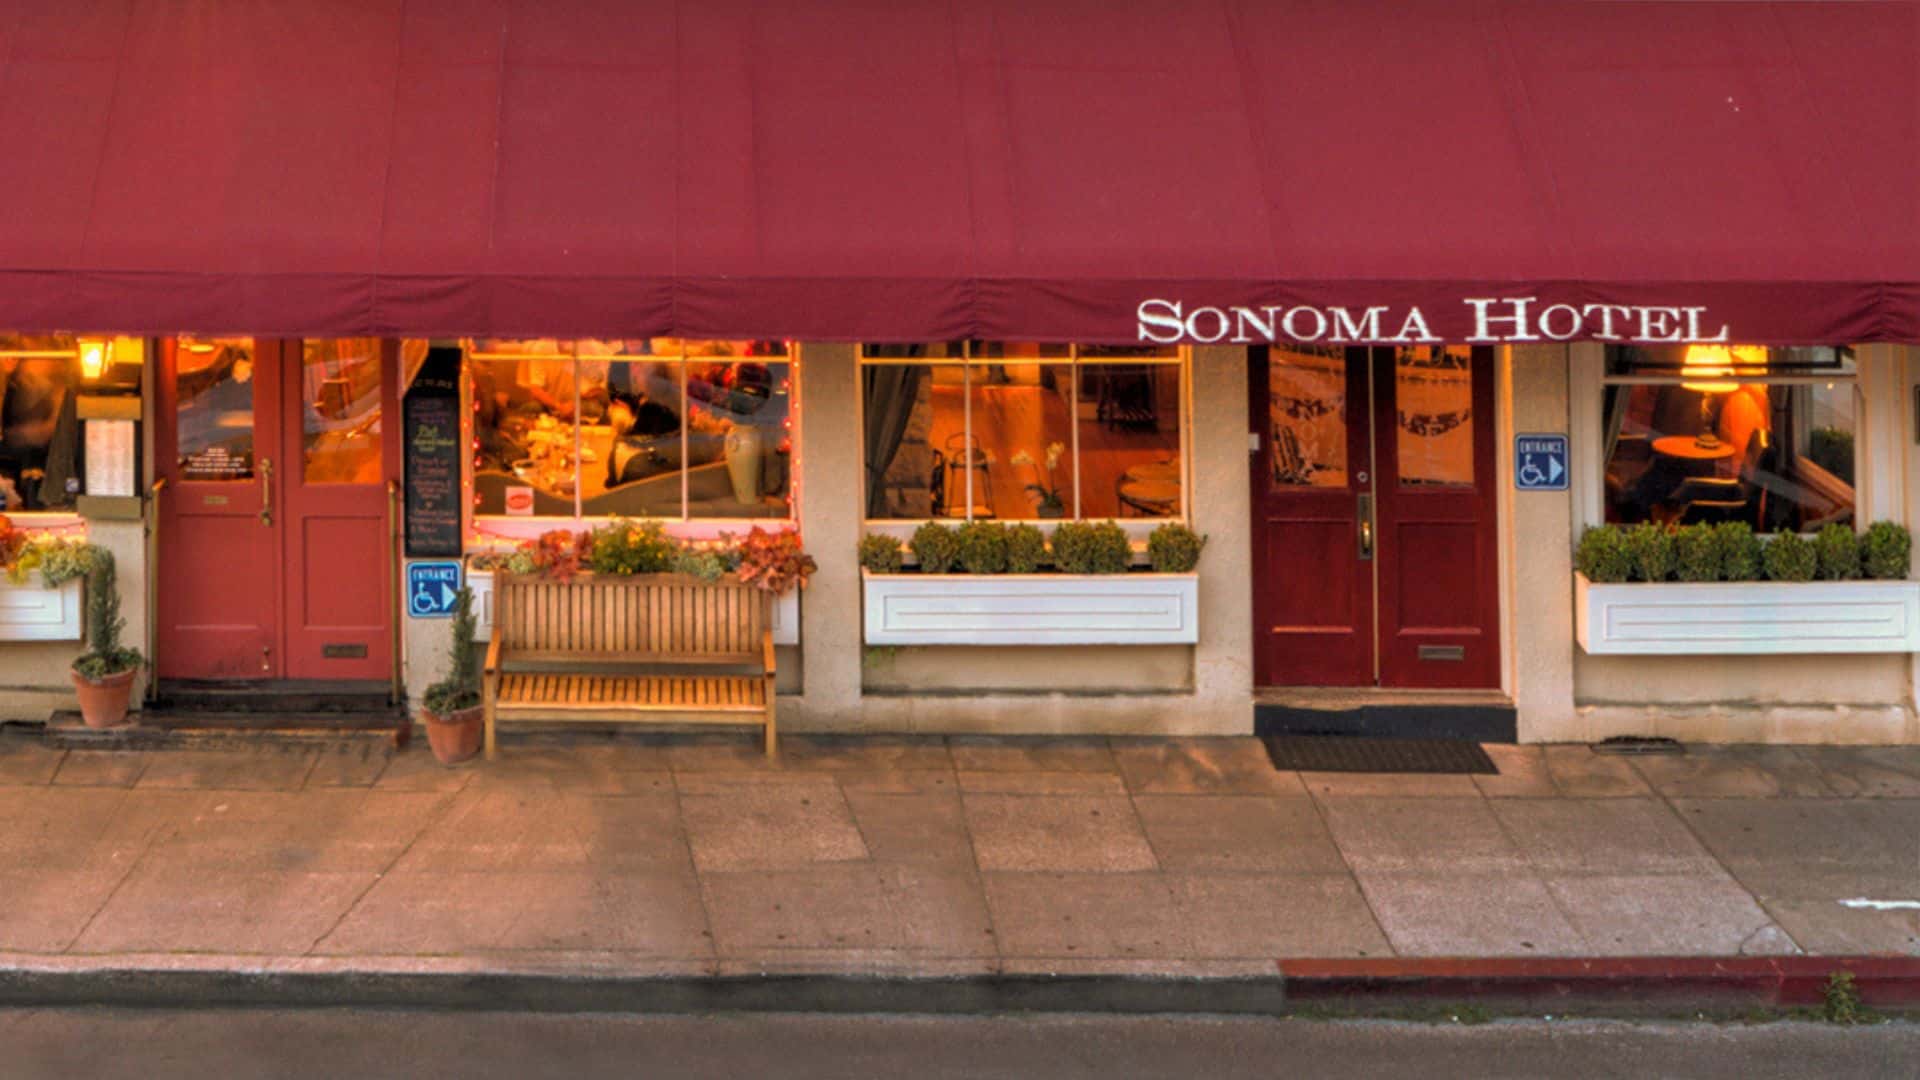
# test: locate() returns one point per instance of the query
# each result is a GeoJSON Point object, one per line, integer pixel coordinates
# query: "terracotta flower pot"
{"type": "Point", "coordinates": [103, 701]}
{"type": "Point", "coordinates": [456, 736]}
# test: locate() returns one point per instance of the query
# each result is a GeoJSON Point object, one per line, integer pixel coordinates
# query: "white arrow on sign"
{"type": "Point", "coordinates": [1554, 470]}
{"type": "Point", "coordinates": [447, 596]}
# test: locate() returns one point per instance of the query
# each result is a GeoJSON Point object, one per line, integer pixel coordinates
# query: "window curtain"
{"type": "Point", "coordinates": [890, 392]}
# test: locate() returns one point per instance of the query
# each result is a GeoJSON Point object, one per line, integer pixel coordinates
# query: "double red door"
{"type": "Point", "coordinates": [1374, 517]}
{"type": "Point", "coordinates": [275, 552]}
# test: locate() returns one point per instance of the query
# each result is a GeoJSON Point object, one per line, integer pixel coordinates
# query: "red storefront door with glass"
{"type": "Point", "coordinates": [1374, 518]}
{"type": "Point", "coordinates": [274, 547]}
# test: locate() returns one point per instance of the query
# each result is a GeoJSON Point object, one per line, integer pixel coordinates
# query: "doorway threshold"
{"type": "Point", "coordinates": [303, 704]}
{"type": "Point", "coordinates": [1479, 715]}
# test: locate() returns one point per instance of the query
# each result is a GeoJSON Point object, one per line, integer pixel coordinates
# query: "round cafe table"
{"type": "Point", "coordinates": [1686, 448]}
{"type": "Point", "coordinates": [1152, 490]}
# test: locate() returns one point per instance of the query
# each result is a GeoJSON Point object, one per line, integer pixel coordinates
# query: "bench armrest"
{"type": "Point", "coordinates": [766, 642]}
{"type": "Point", "coordinates": [493, 655]}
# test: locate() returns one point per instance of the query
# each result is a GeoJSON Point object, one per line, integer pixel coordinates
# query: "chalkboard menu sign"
{"type": "Point", "coordinates": [431, 439]}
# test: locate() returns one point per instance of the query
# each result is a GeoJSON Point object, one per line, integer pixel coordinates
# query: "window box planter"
{"type": "Point", "coordinates": [32, 612]}
{"type": "Point", "coordinates": [1032, 609]}
{"type": "Point", "coordinates": [786, 610]}
{"type": "Point", "coordinates": [1746, 617]}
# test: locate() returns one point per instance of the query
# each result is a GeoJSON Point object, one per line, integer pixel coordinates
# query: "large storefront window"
{"type": "Point", "coordinates": [657, 428]}
{"type": "Point", "coordinates": [1709, 433]}
{"type": "Point", "coordinates": [42, 377]}
{"type": "Point", "coordinates": [983, 430]}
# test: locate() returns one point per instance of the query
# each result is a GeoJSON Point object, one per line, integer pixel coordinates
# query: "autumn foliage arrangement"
{"type": "Point", "coordinates": [771, 560]}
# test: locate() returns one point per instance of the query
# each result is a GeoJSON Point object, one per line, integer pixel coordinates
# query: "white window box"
{"type": "Point", "coordinates": [32, 612]}
{"type": "Point", "coordinates": [1032, 609]}
{"type": "Point", "coordinates": [786, 610]}
{"type": "Point", "coordinates": [1747, 617]}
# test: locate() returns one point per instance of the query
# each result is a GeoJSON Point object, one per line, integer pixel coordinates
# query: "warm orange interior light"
{"type": "Point", "coordinates": [94, 357]}
{"type": "Point", "coordinates": [1706, 366]}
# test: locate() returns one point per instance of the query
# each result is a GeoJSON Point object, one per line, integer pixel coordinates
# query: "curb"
{"type": "Point", "coordinates": [1637, 986]}
{"type": "Point", "coordinates": [1656, 984]}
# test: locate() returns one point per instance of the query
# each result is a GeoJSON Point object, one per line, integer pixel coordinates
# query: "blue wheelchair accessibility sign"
{"type": "Point", "coordinates": [1540, 462]}
{"type": "Point", "coordinates": [432, 588]}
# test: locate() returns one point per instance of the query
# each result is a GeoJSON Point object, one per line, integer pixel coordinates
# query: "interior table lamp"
{"type": "Point", "coordinates": [1706, 368]}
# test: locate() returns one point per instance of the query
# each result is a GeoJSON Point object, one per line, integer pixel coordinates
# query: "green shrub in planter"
{"type": "Point", "coordinates": [983, 547]}
{"type": "Point", "coordinates": [1086, 547]}
{"type": "Point", "coordinates": [1739, 551]}
{"type": "Point", "coordinates": [704, 563]}
{"type": "Point", "coordinates": [626, 547]}
{"type": "Point", "coordinates": [936, 546]}
{"type": "Point", "coordinates": [1696, 553]}
{"type": "Point", "coordinates": [1026, 549]}
{"type": "Point", "coordinates": [1649, 550]}
{"type": "Point", "coordinates": [1886, 551]}
{"type": "Point", "coordinates": [1602, 555]}
{"type": "Point", "coordinates": [1174, 549]}
{"type": "Point", "coordinates": [880, 553]}
{"type": "Point", "coordinates": [1839, 552]}
{"type": "Point", "coordinates": [1790, 557]}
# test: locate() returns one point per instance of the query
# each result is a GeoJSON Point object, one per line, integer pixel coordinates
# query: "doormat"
{"type": "Point", "coordinates": [1350, 753]}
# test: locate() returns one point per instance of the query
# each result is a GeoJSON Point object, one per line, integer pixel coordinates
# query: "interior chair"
{"type": "Point", "coordinates": [1741, 497]}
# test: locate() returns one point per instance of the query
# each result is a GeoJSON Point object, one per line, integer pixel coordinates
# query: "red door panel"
{"type": "Point", "coordinates": [1314, 606]}
{"type": "Point", "coordinates": [337, 538]}
{"type": "Point", "coordinates": [1433, 442]}
{"type": "Point", "coordinates": [216, 441]}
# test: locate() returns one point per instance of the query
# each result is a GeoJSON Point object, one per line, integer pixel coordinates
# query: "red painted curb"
{"type": "Point", "coordinates": [1886, 981]}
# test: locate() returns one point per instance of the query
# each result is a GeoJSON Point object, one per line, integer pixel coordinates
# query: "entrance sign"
{"type": "Point", "coordinates": [1540, 462]}
{"type": "Point", "coordinates": [430, 440]}
{"type": "Point", "coordinates": [432, 588]}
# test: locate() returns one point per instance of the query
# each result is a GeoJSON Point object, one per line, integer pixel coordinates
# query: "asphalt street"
{"type": "Point", "coordinates": [234, 1044]}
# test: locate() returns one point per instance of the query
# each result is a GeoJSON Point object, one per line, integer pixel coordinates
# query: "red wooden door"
{"type": "Point", "coordinates": [336, 538]}
{"type": "Point", "coordinates": [217, 443]}
{"type": "Point", "coordinates": [1374, 528]}
{"type": "Point", "coordinates": [274, 546]}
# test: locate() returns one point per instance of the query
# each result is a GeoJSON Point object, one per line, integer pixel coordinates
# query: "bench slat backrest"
{"type": "Point", "coordinates": [650, 614]}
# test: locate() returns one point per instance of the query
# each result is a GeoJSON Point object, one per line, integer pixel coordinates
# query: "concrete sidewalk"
{"type": "Point", "coordinates": [935, 857]}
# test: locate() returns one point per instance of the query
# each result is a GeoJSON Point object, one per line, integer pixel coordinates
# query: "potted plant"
{"type": "Point", "coordinates": [103, 675]}
{"type": "Point", "coordinates": [451, 707]}
{"type": "Point", "coordinates": [1047, 500]}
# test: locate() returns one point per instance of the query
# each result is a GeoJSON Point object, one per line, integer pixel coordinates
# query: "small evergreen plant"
{"type": "Point", "coordinates": [1026, 549]}
{"type": "Point", "coordinates": [1790, 557]}
{"type": "Point", "coordinates": [1739, 551]}
{"type": "Point", "coordinates": [461, 688]}
{"type": "Point", "coordinates": [1602, 555]}
{"type": "Point", "coordinates": [936, 547]}
{"type": "Point", "coordinates": [983, 547]}
{"type": "Point", "coordinates": [1174, 549]}
{"type": "Point", "coordinates": [1839, 552]}
{"type": "Point", "coordinates": [1696, 554]}
{"type": "Point", "coordinates": [105, 655]}
{"type": "Point", "coordinates": [1886, 551]}
{"type": "Point", "coordinates": [880, 553]}
{"type": "Point", "coordinates": [1649, 552]}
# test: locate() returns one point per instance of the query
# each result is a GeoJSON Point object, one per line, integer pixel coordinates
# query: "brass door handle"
{"type": "Point", "coordinates": [266, 492]}
{"type": "Point", "coordinates": [1365, 514]}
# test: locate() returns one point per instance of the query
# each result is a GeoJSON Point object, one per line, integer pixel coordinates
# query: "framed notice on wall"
{"type": "Point", "coordinates": [110, 457]}
{"type": "Point", "coordinates": [430, 441]}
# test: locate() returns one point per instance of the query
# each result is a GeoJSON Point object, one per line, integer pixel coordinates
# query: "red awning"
{"type": "Point", "coordinates": [921, 170]}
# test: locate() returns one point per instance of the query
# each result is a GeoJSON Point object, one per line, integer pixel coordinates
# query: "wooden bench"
{"type": "Point", "coordinates": [651, 648]}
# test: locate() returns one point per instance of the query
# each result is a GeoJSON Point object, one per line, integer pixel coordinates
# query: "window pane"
{"type": "Point", "coordinates": [1669, 360]}
{"type": "Point", "coordinates": [213, 386]}
{"type": "Point", "coordinates": [523, 423]}
{"type": "Point", "coordinates": [340, 414]}
{"type": "Point", "coordinates": [1129, 421]}
{"type": "Point", "coordinates": [1307, 417]}
{"type": "Point", "coordinates": [1778, 456]}
{"type": "Point", "coordinates": [910, 412]}
{"type": "Point", "coordinates": [738, 445]}
{"type": "Point", "coordinates": [633, 454]}
{"type": "Point", "coordinates": [1433, 395]}
{"type": "Point", "coordinates": [39, 431]}
{"type": "Point", "coordinates": [1021, 423]}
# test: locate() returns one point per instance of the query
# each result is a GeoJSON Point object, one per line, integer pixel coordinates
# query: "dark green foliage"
{"type": "Point", "coordinates": [705, 564]}
{"type": "Point", "coordinates": [880, 553]}
{"type": "Point", "coordinates": [105, 655]}
{"type": "Point", "coordinates": [461, 688]}
{"type": "Point", "coordinates": [1602, 555]}
{"type": "Point", "coordinates": [1649, 550]}
{"type": "Point", "coordinates": [1696, 554]}
{"type": "Point", "coordinates": [1886, 551]}
{"type": "Point", "coordinates": [1026, 549]}
{"type": "Point", "coordinates": [1174, 549]}
{"type": "Point", "coordinates": [626, 547]}
{"type": "Point", "coordinates": [1739, 551]}
{"type": "Point", "coordinates": [936, 547]}
{"type": "Point", "coordinates": [1832, 449]}
{"type": "Point", "coordinates": [1839, 552]}
{"type": "Point", "coordinates": [1086, 547]}
{"type": "Point", "coordinates": [983, 547]}
{"type": "Point", "coordinates": [1790, 557]}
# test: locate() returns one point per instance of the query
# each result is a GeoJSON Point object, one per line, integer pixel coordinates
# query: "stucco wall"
{"type": "Point", "coordinates": [1089, 669]}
